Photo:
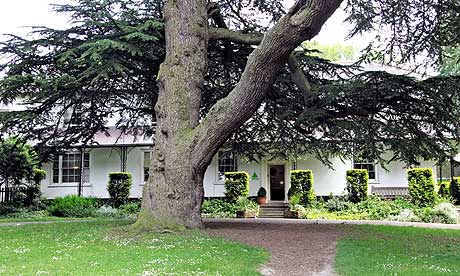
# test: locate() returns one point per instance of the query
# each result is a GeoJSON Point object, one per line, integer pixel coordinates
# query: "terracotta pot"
{"type": "Point", "coordinates": [261, 200]}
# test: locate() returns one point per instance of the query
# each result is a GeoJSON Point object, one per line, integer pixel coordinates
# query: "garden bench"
{"type": "Point", "coordinates": [390, 192]}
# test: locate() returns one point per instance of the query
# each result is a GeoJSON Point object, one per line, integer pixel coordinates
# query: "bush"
{"type": "Point", "coordinates": [261, 192]}
{"type": "Point", "coordinates": [357, 184]}
{"type": "Point", "coordinates": [302, 184]}
{"type": "Point", "coordinates": [337, 203]}
{"type": "Point", "coordinates": [73, 206]}
{"type": "Point", "coordinates": [421, 186]}
{"type": "Point", "coordinates": [445, 213]}
{"type": "Point", "coordinates": [405, 215]}
{"type": "Point", "coordinates": [245, 204]}
{"type": "Point", "coordinates": [455, 190]}
{"type": "Point", "coordinates": [236, 185]}
{"type": "Point", "coordinates": [218, 208]}
{"type": "Point", "coordinates": [119, 187]}
{"type": "Point", "coordinates": [444, 189]}
{"type": "Point", "coordinates": [32, 191]}
{"type": "Point", "coordinates": [131, 208]}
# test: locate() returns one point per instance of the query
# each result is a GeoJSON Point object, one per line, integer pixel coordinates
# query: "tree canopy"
{"type": "Point", "coordinates": [107, 63]}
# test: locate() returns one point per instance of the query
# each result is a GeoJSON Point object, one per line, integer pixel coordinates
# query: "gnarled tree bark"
{"type": "Point", "coordinates": [184, 147]}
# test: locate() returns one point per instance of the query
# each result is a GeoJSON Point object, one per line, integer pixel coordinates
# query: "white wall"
{"type": "Point", "coordinates": [102, 162]}
{"type": "Point", "coordinates": [326, 180]}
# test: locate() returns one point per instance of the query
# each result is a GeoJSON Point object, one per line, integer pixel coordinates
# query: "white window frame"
{"type": "Point", "coordinates": [366, 162]}
{"type": "Point", "coordinates": [60, 169]}
{"type": "Point", "coordinates": [220, 177]}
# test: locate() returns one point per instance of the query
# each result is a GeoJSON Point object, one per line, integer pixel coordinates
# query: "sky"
{"type": "Point", "coordinates": [16, 15]}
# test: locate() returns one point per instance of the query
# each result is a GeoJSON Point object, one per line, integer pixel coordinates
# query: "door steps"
{"type": "Point", "coordinates": [273, 210]}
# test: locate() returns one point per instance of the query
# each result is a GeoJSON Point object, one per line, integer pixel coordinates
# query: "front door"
{"type": "Point", "coordinates": [276, 182]}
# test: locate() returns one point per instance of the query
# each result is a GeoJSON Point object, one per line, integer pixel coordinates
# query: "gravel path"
{"type": "Point", "coordinates": [296, 249]}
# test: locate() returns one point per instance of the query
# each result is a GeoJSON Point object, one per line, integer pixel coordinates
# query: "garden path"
{"type": "Point", "coordinates": [298, 247]}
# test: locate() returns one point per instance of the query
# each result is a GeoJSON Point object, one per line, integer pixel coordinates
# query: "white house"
{"type": "Point", "coordinates": [85, 170]}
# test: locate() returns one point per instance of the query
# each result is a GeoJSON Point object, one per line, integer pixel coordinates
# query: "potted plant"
{"type": "Point", "coordinates": [295, 209]}
{"type": "Point", "coordinates": [262, 196]}
{"type": "Point", "coordinates": [246, 208]}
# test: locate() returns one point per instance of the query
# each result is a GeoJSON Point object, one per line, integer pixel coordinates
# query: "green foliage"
{"type": "Point", "coordinates": [421, 186]}
{"type": "Point", "coordinates": [455, 190]}
{"type": "Point", "coordinates": [357, 184]}
{"type": "Point", "coordinates": [334, 52]}
{"type": "Point", "coordinates": [444, 189]}
{"type": "Point", "coordinates": [17, 162]}
{"type": "Point", "coordinates": [131, 208]}
{"type": "Point", "coordinates": [218, 208]}
{"type": "Point", "coordinates": [245, 204]}
{"type": "Point", "coordinates": [302, 184]}
{"type": "Point", "coordinates": [262, 192]}
{"type": "Point", "coordinates": [236, 185]}
{"type": "Point", "coordinates": [119, 187]}
{"type": "Point", "coordinates": [73, 206]}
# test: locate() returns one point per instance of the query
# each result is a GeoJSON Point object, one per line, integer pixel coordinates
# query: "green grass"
{"type": "Point", "coordinates": [389, 250]}
{"type": "Point", "coordinates": [107, 248]}
{"type": "Point", "coordinates": [7, 220]}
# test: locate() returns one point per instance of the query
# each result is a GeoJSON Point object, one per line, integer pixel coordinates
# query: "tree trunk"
{"type": "Point", "coordinates": [174, 192]}
{"type": "Point", "coordinates": [184, 147]}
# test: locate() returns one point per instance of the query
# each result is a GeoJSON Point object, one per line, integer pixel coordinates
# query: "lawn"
{"type": "Point", "coordinates": [387, 250]}
{"type": "Point", "coordinates": [107, 248]}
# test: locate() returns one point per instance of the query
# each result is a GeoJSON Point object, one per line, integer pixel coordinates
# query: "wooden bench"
{"type": "Point", "coordinates": [390, 192]}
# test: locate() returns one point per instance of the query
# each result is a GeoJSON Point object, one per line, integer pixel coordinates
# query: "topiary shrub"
{"type": "Point", "coordinates": [444, 189]}
{"type": "Point", "coordinates": [73, 206]}
{"type": "Point", "coordinates": [357, 185]}
{"type": "Point", "coordinates": [454, 190]}
{"type": "Point", "coordinates": [421, 186]}
{"type": "Point", "coordinates": [236, 185]}
{"type": "Point", "coordinates": [302, 184]}
{"type": "Point", "coordinates": [119, 186]}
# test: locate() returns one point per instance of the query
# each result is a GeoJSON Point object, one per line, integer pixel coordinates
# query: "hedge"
{"type": "Point", "coordinates": [302, 184]}
{"type": "Point", "coordinates": [444, 189]}
{"type": "Point", "coordinates": [236, 185]}
{"type": "Point", "coordinates": [119, 186]}
{"type": "Point", "coordinates": [421, 186]}
{"type": "Point", "coordinates": [455, 190]}
{"type": "Point", "coordinates": [357, 184]}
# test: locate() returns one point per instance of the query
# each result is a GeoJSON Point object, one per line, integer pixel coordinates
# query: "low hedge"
{"type": "Point", "coordinates": [421, 186]}
{"type": "Point", "coordinates": [236, 185]}
{"type": "Point", "coordinates": [357, 184]}
{"type": "Point", "coordinates": [74, 206]}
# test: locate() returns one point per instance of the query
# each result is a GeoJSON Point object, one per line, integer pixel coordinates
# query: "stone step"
{"type": "Point", "coordinates": [281, 208]}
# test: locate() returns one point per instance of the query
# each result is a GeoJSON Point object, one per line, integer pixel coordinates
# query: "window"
{"type": "Point", "coordinates": [226, 163]}
{"type": "Point", "coordinates": [147, 157]}
{"type": "Point", "coordinates": [74, 118]}
{"type": "Point", "coordinates": [366, 165]}
{"type": "Point", "coordinates": [67, 168]}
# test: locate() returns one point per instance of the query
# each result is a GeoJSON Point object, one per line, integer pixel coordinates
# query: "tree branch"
{"type": "Point", "coordinates": [262, 69]}
{"type": "Point", "coordinates": [226, 34]}
{"type": "Point", "coordinates": [299, 77]}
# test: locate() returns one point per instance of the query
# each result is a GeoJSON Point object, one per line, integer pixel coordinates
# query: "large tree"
{"type": "Point", "coordinates": [233, 71]}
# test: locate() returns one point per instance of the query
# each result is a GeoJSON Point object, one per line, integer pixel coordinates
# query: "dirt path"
{"type": "Point", "coordinates": [296, 249]}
